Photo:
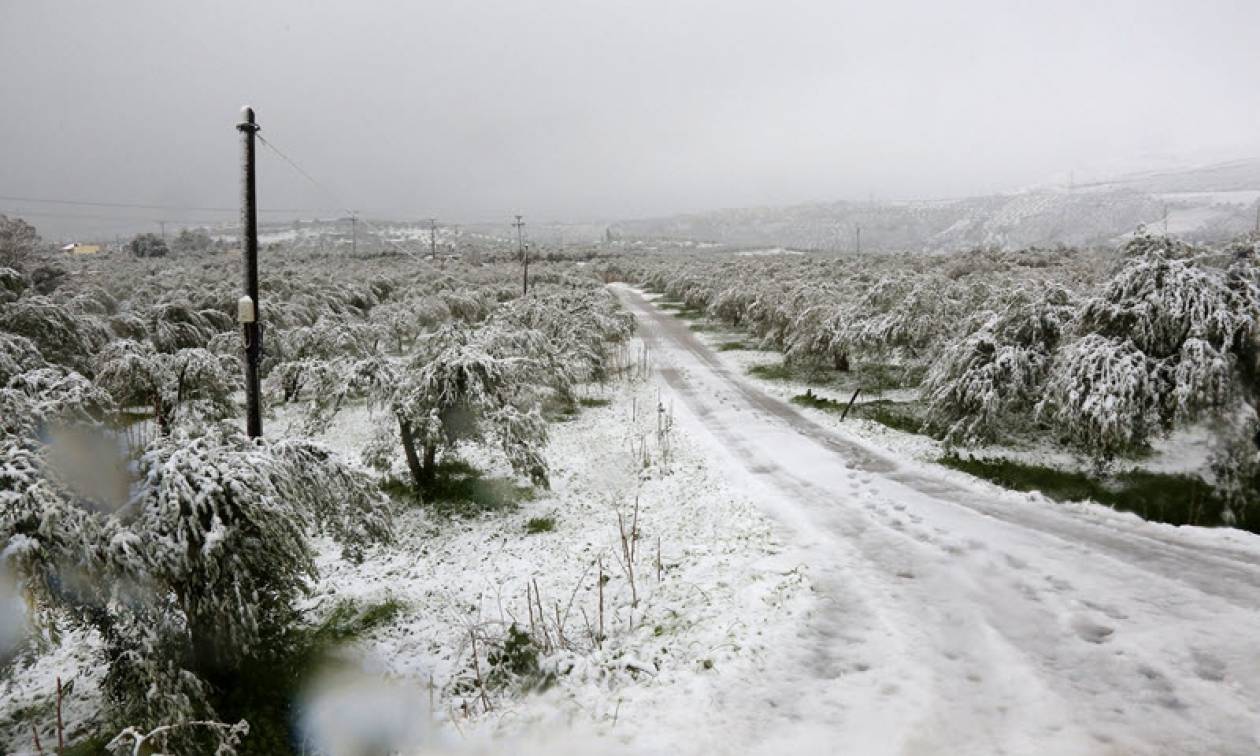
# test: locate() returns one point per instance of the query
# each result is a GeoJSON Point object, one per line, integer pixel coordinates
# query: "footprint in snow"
{"type": "Point", "coordinates": [1088, 630]}
{"type": "Point", "coordinates": [1208, 667]}
{"type": "Point", "coordinates": [1162, 687]}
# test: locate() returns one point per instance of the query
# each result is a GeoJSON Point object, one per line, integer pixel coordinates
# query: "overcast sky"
{"type": "Point", "coordinates": [578, 109]}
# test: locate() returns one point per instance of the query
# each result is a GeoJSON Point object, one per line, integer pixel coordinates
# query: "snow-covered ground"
{"type": "Point", "coordinates": [719, 616]}
{"type": "Point", "coordinates": [960, 618]}
{"type": "Point", "coordinates": [726, 607]}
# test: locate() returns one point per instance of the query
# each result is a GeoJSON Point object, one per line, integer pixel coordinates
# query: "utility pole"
{"type": "Point", "coordinates": [524, 253]}
{"type": "Point", "coordinates": [354, 233]}
{"type": "Point", "coordinates": [859, 239]}
{"type": "Point", "coordinates": [433, 238]}
{"type": "Point", "coordinates": [162, 224]}
{"type": "Point", "coordinates": [1165, 219]}
{"type": "Point", "coordinates": [247, 310]}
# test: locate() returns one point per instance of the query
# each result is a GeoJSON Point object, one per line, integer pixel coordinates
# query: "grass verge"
{"type": "Point", "coordinates": [1174, 499]}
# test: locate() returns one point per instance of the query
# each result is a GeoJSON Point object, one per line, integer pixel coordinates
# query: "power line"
{"type": "Point", "coordinates": [333, 196]}
{"type": "Point", "coordinates": [92, 216]}
{"type": "Point", "coordinates": [136, 206]}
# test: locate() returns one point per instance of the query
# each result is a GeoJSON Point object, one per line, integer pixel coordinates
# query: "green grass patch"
{"type": "Point", "coordinates": [902, 416]}
{"type": "Point", "coordinates": [775, 371]}
{"type": "Point", "coordinates": [896, 415]}
{"type": "Point", "coordinates": [732, 346]}
{"type": "Point", "coordinates": [558, 411]}
{"type": "Point", "coordinates": [459, 489]}
{"type": "Point", "coordinates": [814, 401]}
{"type": "Point", "coordinates": [537, 525]}
{"type": "Point", "coordinates": [1174, 499]}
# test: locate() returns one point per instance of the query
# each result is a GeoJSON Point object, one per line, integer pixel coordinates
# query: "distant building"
{"type": "Point", "coordinates": [76, 248]}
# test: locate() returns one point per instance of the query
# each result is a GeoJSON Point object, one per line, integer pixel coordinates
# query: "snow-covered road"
{"type": "Point", "coordinates": [959, 618]}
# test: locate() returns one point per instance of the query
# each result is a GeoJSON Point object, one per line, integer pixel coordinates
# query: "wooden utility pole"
{"type": "Point", "coordinates": [859, 239]}
{"type": "Point", "coordinates": [248, 310]}
{"type": "Point", "coordinates": [354, 233]}
{"type": "Point", "coordinates": [524, 253]}
{"type": "Point", "coordinates": [433, 239]}
{"type": "Point", "coordinates": [162, 224]}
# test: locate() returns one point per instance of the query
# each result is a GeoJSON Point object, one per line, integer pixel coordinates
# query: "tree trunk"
{"type": "Point", "coordinates": [160, 415]}
{"type": "Point", "coordinates": [429, 470]}
{"type": "Point", "coordinates": [409, 448]}
{"type": "Point", "coordinates": [841, 360]}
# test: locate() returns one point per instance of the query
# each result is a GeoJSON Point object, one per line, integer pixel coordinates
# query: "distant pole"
{"type": "Point", "coordinates": [354, 233]}
{"type": "Point", "coordinates": [433, 238]}
{"type": "Point", "coordinates": [1165, 219]}
{"type": "Point", "coordinates": [524, 253]}
{"type": "Point", "coordinates": [1258, 219]}
{"type": "Point", "coordinates": [162, 224]}
{"type": "Point", "coordinates": [248, 313]}
{"type": "Point", "coordinates": [859, 239]}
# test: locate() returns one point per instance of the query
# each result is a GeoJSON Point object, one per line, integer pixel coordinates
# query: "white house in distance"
{"type": "Point", "coordinates": [76, 248]}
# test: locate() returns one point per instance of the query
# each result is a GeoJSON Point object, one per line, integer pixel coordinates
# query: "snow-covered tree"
{"type": "Point", "coordinates": [63, 335]}
{"type": "Point", "coordinates": [1167, 341]}
{"type": "Point", "coordinates": [188, 385]}
{"type": "Point", "coordinates": [198, 573]}
{"type": "Point", "coordinates": [19, 243]}
{"type": "Point", "coordinates": [462, 384]}
{"type": "Point", "coordinates": [986, 379]}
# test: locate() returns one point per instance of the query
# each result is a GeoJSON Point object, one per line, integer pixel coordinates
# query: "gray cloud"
{"type": "Point", "coordinates": [582, 110]}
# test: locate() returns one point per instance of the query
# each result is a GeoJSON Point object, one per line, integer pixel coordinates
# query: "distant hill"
{"type": "Point", "coordinates": [1207, 203]}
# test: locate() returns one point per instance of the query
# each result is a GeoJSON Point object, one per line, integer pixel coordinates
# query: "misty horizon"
{"type": "Point", "coordinates": [566, 114]}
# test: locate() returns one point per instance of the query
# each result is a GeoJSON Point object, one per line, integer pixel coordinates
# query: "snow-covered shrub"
{"type": "Point", "coordinates": [12, 284]}
{"type": "Point", "coordinates": [198, 573]}
{"type": "Point", "coordinates": [63, 335]}
{"type": "Point", "coordinates": [188, 385]}
{"type": "Point", "coordinates": [18, 354]}
{"type": "Point", "coordinates": [464, 384]}
{"type": "Point", "coordinates": [1167, 341]}
{"type": "Point", "coordinates": [1104, 395]}
{"type": "Point", "coordinates": [985, 379]}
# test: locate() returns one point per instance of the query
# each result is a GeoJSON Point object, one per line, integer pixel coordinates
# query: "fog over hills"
{"type": "Point", "coordinates": [1205, 203]}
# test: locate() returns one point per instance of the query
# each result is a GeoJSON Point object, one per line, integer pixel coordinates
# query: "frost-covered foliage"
{"type": "Point", "coordinates": [12, 284]}
{"type": "Point", "coordinates": [982, 382]}
{"type": "Point", "coordinates": [198, 572]}
{"type": "Point", "coordinates": [19, 243]}
{"type": "Point", "coordinates": [570, 334]}
{"type": "Point", "coordinates": [189, 385]}
{"type": "Point", "coordinates": [1166, 341]}
{"type": "Point", "coordinates": [466, 384]}
{"type": "Point", "coordinates": [18, 354]}
{"type": "Point", "coordinates": [62, 334]}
